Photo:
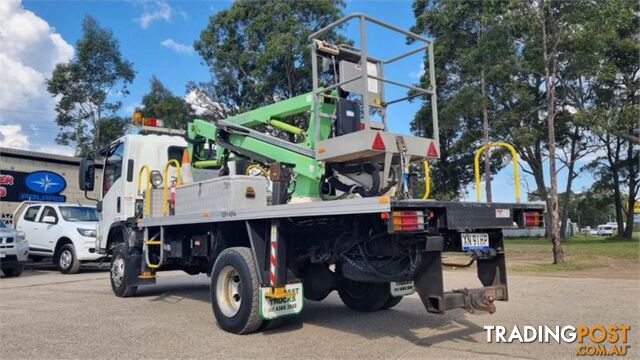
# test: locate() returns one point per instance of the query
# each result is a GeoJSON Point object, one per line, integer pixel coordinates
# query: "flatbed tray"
{"type": "Point", "coordinates": [459, 215]}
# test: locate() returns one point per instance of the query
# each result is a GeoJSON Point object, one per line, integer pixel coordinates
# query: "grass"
{"type": "Point", "coordinates": [581, 252]}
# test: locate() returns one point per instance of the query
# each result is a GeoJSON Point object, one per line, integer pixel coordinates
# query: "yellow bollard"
{"type": "Point", "coordinates": [514, 159]}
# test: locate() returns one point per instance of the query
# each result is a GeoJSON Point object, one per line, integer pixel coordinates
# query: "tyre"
{"type": "Point", "coordinates": [67, 261]}
{"type": "Point", "coordinates": [118, 275]}
{"type": "Point", "coordinates": [235, 290]}
{"type": "Point", "coordinates": [363, 296]}
{"type": "Point", "coordinates": [14, 271]}
{"type": "Point", "coordinates": [391, 302]}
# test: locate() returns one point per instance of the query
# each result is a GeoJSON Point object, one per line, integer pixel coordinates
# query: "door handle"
{"type": "Point", "coordinates": [118, 205]}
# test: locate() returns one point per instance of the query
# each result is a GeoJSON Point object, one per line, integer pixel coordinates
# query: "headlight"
{"type": "Point", "coordinates": [87, 232]}
{"type": "Point", "coordinates": [156, 178]}
{"type": "Point", "coordinates": [20, 237]}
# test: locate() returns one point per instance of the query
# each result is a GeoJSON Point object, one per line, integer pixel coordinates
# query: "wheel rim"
{"type": "Point", "coordinates": [228, 291]}
{"type": "Point", "coordinates": [117, 271]}
{"type": "Point", "coordinates": [65, 259]}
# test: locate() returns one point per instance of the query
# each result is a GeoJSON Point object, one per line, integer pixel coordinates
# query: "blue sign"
{"type": "Point", "coordinates": [45, 182]}
{"type": "Point", "coordinates": [16, 186]}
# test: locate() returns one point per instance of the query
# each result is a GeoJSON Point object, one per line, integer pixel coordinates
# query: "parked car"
{"type": "Point", "coordinates": [605, 230]}
{"type": "Point", "coordinates": [66, 233]}
{"type": "Point", "coordinates": [586, 230]}
{"type": "Point", "coordinates": [14, 250]}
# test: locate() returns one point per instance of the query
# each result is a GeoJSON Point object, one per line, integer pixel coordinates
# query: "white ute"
{"type": "Point", "coordinates": [64, 232]}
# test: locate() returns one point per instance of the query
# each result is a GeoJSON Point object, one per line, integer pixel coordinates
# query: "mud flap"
{"type": "Point", "coordinates": [428, 282]}
{"type": "Point", "coordinates": [132, 270]}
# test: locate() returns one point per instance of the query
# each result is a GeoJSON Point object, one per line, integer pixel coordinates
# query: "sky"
{"type": "Point", "coordinates": [157, 37]}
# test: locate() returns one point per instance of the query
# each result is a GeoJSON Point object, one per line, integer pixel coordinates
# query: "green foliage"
{"type": "Point", "coordinates": [591, 207]}
{"type": "Point", "coordinates": [160, 103]}
{"type": "Point", "coordinates": [86, 85]}
{"type": "Point", "coordinates": [258, 53]}
{"type": "Point", "coordinates": [468, 40]}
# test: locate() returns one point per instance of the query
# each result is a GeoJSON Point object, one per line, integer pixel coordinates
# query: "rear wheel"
{"type": "Point", "coordinates": [67, 260]}
{"type": "Point", "coordinates": [13, 271]}
{"type": "Point", "coordinates": [363, 296]}
{"type": "Point", "coordinates": [235, 291]}
{"type": "Point", "coordinates": [393, 301]}
{"type": "Point", "coordinates": [119, 276]}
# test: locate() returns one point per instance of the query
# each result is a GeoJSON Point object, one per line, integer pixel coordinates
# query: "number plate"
{"type": "Point", "coordinates": [401, 288]}
{"type": "Point", "coordinates": [471, 241]}
{"type": "Point", "coordinates": [2, 255]}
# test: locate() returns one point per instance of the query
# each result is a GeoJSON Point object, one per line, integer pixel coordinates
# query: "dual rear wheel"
{"type": "Point", "coordinates": [366, 296]}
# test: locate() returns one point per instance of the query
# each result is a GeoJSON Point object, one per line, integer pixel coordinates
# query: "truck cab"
{"type": "Point", "coordinates": [123, 159]}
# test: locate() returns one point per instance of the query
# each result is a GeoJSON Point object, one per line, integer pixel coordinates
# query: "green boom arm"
{"type": "Point", "coordinates": [307, 170]}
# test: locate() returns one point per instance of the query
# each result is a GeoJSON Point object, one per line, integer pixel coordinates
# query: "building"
{"type": "Point", "coordinates": [35, 176]}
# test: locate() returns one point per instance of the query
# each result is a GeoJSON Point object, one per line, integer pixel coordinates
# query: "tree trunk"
{"type": "Point", "coordinates": [549, 74]}
{"type": "Point", "coordinates": [485, 137]}
{"type": "Point", "coordinates": [567, 193]}
{"type": "Point", "coordinates": [614, 164]}
{"type": "Point", "coordinates": [633, 159]}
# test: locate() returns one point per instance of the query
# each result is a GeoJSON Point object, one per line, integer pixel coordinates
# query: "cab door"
{"type": "Point", "coordinates": [112, 189]}
{"type": "Point", "coordinates": [47, 232]}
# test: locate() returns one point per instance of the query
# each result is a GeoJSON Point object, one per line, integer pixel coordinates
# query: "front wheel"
{"type": "Point", "coordinates": [364, 296]}
{"type": "Point", "coordinates": [235, 291]}
{"type": "Point", "coordinates": [68, 262]}
{"type": "Point", "coordinates": [119, 275]}
{"type": "Point", "coordinates": [13, 271]}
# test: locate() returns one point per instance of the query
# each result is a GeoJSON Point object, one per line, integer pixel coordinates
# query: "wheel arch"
{"type": "Point", "coordinates": [63, 240]}
{"type": "Point", "coordinates": [115, 235]}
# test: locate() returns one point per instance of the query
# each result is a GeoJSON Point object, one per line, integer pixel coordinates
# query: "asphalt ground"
{"type": "Point", "coordinates": [44, 314]}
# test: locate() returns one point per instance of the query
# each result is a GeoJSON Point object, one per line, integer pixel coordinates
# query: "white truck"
{"type": "Point", "coordinates": [66, 233]}
{"type": "Point", "coordinates": [275, 219]}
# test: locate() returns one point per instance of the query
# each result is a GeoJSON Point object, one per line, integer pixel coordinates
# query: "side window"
{"type": "Point", "coordinates": [49, 211]}
{"type": "Point", "coordinates": [112, 167]}
{"type": "Point", "coordinates": [30, 214]}
{"type": "Point", "coordinates": [175, 153]}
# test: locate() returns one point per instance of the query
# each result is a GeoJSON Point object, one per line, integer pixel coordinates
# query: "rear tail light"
{"type": "Point", "coordinates": [408, 220]}
{"type": "Point", "coordinates": [533, 219]}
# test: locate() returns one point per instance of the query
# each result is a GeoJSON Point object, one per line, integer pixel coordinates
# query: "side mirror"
{"type": "Point", "coordinates": [49, 219]}
{"type": "Point", "coordinates": [87, 174]}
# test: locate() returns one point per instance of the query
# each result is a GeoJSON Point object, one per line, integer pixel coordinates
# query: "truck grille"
{"type": "Point", "coordinates": [4, 241]}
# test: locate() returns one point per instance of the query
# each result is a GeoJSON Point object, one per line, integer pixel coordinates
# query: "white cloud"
{"type": "Point", "coordinates": [29, 50]}
{"type": "Point", "coordinates": [155, 11]}
{"type": "Point", "coordinates": [417, 74]}
{"type": "Point", "coordinates": [177, 47]}
{"type": "Point", "coordinates": [11, 136]}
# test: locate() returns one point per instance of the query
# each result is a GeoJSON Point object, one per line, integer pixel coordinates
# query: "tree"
{"type": "Point", "coordinates": [470, 51]}
{"type": "Point", "coordinates": [160, 103]}
{"type": "Point", "coordinates": [616, 95]}
{"type": "Point", "coordinates": [591, 207]}
{"type": "Point", "coordinates": [258, 51]}
{"type": "Point", "coordinates": [85, 86]}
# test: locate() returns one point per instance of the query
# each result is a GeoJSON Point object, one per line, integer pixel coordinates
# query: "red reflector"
{"type": "Point", "coordinates": [378, 144]}
{"type": "Point", "coordinates": [432, 152]}
{"type": "Point", "coordinates": [361, 126]}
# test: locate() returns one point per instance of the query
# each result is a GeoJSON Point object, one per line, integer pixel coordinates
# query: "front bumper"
{"type": "Point", "coordinates": [86, 249]}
